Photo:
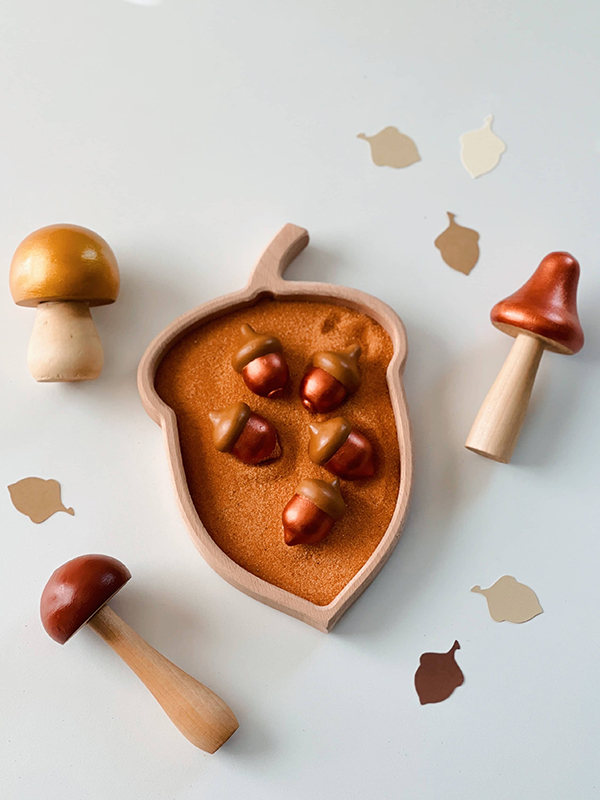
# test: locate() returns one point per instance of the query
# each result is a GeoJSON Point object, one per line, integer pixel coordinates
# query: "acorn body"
{"type": "Point", "coordinates": [312, 512]}
{"type": "Point", "coordinates": [261, 363]}
{"type": "Point", "coordinates": [341, 449]}
{"type": "Point", "coordinates": [332, 376]}
{"type": "Point", "coordinates": [246, 435]}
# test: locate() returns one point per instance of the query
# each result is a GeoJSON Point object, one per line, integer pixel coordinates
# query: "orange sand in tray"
{"type": "Point", "coordinates": [240, 505]}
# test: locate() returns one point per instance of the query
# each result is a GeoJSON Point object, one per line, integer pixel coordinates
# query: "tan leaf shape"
{"type": "Point", "coordinates": [509, 600]}
{"type": "Point", "coordinates": [37, 498]}
{"type": "Point", "coordinates": [390, 148]}
{"type": "Point", "coordinates": [481, 149]}
{"type": "Point", "coordinates": [459, 246]}
{"type": "Point", "coordinates": [438, 676]}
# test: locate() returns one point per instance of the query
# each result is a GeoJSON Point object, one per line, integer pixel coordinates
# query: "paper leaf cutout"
{"type": "Point", "coordinates": [481, 149]}
{"type": "Point", "coordinates": [459, 246]}
{"type": "Point", "coordinates": [37, 499]}
{"type": "Point", "coordinates": [510, 600]}
{"type": "Point", "coordinates": [438, 676]}
{"type": "Point", "coordinates": [390, 148]}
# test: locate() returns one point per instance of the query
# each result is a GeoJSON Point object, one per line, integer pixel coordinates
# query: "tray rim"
{"type": "Point", "coordinates": [267, 280]}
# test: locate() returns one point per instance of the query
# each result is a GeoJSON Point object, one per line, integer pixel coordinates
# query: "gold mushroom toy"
{"type": "Point", "coordinates": [62, 270]}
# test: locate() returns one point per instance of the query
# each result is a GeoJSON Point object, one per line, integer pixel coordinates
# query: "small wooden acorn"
{"type": "Point", "coordinates": [341, 449]}
{"type": "Point", "coordinates": [261, 363]}
{"type": "Point", "coordinates": [61, 271]}
{"type": "Point", "coordinates": [313, 511]}
{"type": "Point", "coordinates": [244, 434]}
{"type": "Point", "coordinates": [331, 378]}
{"type": "Point", "coordinates": [541, 315]}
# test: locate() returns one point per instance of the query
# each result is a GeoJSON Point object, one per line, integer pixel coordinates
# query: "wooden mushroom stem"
{"type": "Point", "coordinates": [199, 713]}
{"type": "Point", "coordinates": [496, 428]}
{"type": "Point", "coordinates": [64, 343]}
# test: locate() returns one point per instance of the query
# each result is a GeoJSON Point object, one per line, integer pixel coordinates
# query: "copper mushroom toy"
{"type": "Point", "coordinates": [78, 592]}
{"type": "Point", "coordinates": [541, 315]}
{"type": "Point", "coordinates": [62, 270]}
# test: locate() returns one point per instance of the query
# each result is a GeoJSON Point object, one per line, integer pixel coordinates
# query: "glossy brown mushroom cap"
{"type": "Point", "coordinates": [77, 590]}
{"type": "Point", "coordinates": [546, 306]}
{"type": "Point", "coordinates": [64, 263]}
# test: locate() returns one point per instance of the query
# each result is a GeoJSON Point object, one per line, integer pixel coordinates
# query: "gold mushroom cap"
{"type": "Point", "coordinates": [62, 270]}
{"type": "Point", "coordinates": [64, 263]}
{"type": "Point", "coordinates": [341, 364]}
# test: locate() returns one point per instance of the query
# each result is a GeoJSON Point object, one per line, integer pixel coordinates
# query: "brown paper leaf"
{"type": "Point", "coordinates": [509, 600]}
{"type": "Point", "coordinates": [459, 246]}
{"type": "Point", "coordinates": [390, 148]}
{"type": "Point", "coordinates": [438, 676]}
{"type": "Point", "coordinates": [37, 499]}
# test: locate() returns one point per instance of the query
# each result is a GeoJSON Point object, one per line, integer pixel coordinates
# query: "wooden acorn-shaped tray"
{"type": "Point", "coordinates": [233, 510]}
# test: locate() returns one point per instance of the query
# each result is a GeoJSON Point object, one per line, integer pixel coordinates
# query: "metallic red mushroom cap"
{"type": "Point", "coordinates": [546, 305]}
{"type": "Point", "coordinates": [77, 590]}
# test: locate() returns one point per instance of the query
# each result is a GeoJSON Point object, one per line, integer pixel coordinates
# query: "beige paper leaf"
{"type": "Point", "coordinates": [510, 600]}
{"type": "Point", "coordinates": [37, 499]}
{"type": "Point", "coordinates": [481, 149]}
{"type": "Point", "coordinates": [459, 246]}
{"type": "Point", "coordinates": [390, 148]}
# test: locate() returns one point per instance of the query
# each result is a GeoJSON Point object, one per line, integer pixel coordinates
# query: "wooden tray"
{"type": "Point", "coordinates": [267, 281]}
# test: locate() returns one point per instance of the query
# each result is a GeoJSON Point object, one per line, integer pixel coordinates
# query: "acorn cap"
{"type": "Point", "coordinates": [228, 425]}
{"type": "Point", "coordinates": [64, 263]}
{"type": "Point", "coordinates": [341, 364]}
{"type": "Point", "coordinates": [326, 438]}
{"type": "Point", "coordinates": [545, 306]}
{"type": "Point", "coordinates": [325, 496]}
{"type": "Point", "coordinates": [254, 345]}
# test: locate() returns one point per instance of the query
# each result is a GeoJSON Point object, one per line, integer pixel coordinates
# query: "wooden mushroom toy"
{"type": "Point", "coordinates": [341, 449]}
{"type": "Point", "coordinates": [330, 379]}
{"type": "Point", "coordinates": [261, 363]}
{"type": "Point", "coordinates": [313, 511]}
{"type": "Point", "coordinates": [541, 315]}
{"type": "Point", "coordinates": [77, 594]}
{"type": "Point", "coordinates": [244, 434]}
{"type": "Point", "coordinates": [62, 270]}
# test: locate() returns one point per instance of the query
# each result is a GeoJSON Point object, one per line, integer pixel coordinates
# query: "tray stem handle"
{"type": "Point", "coordinates": [279, 254]}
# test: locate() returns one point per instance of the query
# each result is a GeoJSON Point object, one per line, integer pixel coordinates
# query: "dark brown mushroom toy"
{"type": "Point", "coordinates": [77, 594]}
{"type": "Point", "coordinates": [541, 315]}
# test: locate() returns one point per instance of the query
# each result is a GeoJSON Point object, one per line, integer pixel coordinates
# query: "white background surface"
{"type": "Point", "coordinates": [187, 133]}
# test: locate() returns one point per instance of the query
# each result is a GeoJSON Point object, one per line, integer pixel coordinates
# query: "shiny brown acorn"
{"type": "Point", "coordinates": [332, 376]}
{"type": "Point", "coordinates": [261, 363]}
{"type": "Point", "coordinates": [341, 449]}
{"type": "Point", "coordinates": [312, 512]}
{"type": "Point", "coordinates": [244, 434]}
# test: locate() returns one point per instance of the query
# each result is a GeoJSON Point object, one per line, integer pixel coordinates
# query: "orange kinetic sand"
{"type": "Point", "coordinates": [241, 505]}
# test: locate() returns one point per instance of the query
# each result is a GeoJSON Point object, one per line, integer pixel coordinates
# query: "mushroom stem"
{"type": "Point", "coordinates": [497, 426]}
{"type": "Point", "coordinates": [200, 714]}
{"type": "Point", "coordinates": [64, 343]}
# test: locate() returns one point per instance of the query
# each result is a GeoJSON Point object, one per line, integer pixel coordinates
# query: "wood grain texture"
{"type": "Point", "coordinates": [267, 281]}
{"type": "Point", "coordinates": [497, 426]}
{"type": "Point", "coordinates": [200, 715]}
